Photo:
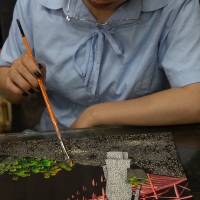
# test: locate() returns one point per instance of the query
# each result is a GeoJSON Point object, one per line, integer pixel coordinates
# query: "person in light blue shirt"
{"type": "Point", "coordinates": [107, 62]}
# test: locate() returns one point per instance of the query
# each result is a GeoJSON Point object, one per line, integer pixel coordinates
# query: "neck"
{"type": "Point", "coordinates": [101, 15]}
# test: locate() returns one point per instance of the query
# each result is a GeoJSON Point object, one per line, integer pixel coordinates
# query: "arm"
{"type": "Point", "coordinates": [173, 106]}
{"type": "Point", "coordinates": [178, 57]}
{"type": "Point", "coordinates": [18, 81]}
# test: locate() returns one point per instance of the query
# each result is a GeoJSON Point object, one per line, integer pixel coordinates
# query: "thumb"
{"type": "Point", "coordinates": [42, 68]}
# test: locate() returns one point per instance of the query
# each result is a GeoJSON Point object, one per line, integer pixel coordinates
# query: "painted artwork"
{"type": "Point", "coordinates": [128, 167]}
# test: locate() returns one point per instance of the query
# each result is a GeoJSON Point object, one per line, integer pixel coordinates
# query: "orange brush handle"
{"type": "Point", "coordinates": [49, 108]}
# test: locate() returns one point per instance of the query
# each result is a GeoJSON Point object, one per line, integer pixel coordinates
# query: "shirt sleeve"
{"type": "Point", "coordinates": [14, 46]}
{"type": "Point", "coordinates": [180, 48]}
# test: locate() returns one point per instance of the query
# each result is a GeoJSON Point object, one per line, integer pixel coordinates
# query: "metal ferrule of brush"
{"type": "Point", "coordinates": [63, 149]}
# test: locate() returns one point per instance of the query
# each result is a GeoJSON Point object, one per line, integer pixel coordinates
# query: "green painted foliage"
{"type": "Point", "coordinates": [136, 181]}
{"type": "Point", "coordinates": [23, 167]}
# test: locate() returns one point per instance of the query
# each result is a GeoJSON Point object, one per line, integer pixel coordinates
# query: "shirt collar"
{"type": "Point", "coordinates": [153, 5]}
{"type": "Point", "coordinates": [52, 4]}
{"type": "Point", "coordinates": [130, 10]}
{"type": "Point", "coordinates": [132, 7]}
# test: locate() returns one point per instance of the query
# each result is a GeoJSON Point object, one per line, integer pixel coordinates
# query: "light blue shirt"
{"type": "Point", "coordinates": [88, 64]}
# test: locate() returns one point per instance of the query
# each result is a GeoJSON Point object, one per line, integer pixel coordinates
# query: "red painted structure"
{"type": "Point", "coordinates": [164, 187]}
{"type": "Point", "coordinates": [159, 187]}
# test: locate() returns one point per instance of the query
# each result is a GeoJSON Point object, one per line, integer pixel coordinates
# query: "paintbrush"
{"type": "Point", "coordinates": [44, 94]}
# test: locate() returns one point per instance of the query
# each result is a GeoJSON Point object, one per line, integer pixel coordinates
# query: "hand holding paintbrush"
{"type": "Point", "coordinates": [46, 99]}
